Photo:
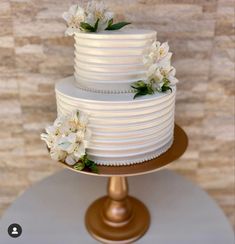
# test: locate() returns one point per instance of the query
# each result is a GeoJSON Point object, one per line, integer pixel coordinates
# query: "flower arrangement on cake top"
{"type": "Point", "coordinates": [67, 140]}
{"type": "Point", "coordinates": [160, 73]}
{"type": "Point", "coordinates": [93, 17]}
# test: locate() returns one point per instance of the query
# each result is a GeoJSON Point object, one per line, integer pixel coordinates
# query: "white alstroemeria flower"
{"type": "Point", "coordinates": [80, 150]}
{"type": "Point", "coordinates": [171, 76]}
{"type": "Point", "coordinates": [74, 17]}
{"type": "Point", "coordinates": [163, 50]}
{"type": "Point", "coordinates": [51, 135]}
{"type": "Point", "coordinates": [60, 121]}
{"type": "Point", "coordinates": [50, 139]}
{"type": "Point", "coordinates": [78, 120]}
{"type": "Point", "coordinates": [52, 130]}
{"type": "Point", "coordinates": [158, 76]}
{"type": "Point", "coordinates": [158, 85]}
{"type": "Point", "coordinates": [71, 159]}
{"type": "Point", "coordinates": [67, 143]}
{"type": "Point", "coordinates": [68, 138]}
{"type": "Point", "coordinates": [154, 73]}
{"type": "Point", "coordinates": [151, 70]}
{"type": "Point", "coordinates": [150, 58]}
{"type": "Point", "coordinates": [158, 53]}
{"type": "Point", "coordinates": [57, 154]}
{"type": "Point", "coordinates": [169, 73]}
{"type": "Point", "coordinates": [165, 61]}
{"type": "Point", "coordinates": [87, 135]}
{"type": "Point", "coordinates": [83, 119]}
{"type": "Point", "coordinates": [97, 10]}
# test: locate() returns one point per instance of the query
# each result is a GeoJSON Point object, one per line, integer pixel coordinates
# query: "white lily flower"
{"type": "Point", "coordinates": [158, 76]}
{"type": "Point", "coordinates": [83, 118]}
{"type": "Point", "coordinates": [80, 135]}
{"type": "Point", "coordinates": [71, 159]}
{"type": "Point", "coordinates": [165, 61]}
{"type": "Point", "coordinates": [158, 53]}
{"type": "Point", "coordinates": [74, 17]}
{"type": "Point", "coordinates": [60, 121]}
{"type": "Point", "coordinates": [67, 143]}
{"type": "Point", "coordinates": [88, 134]}
{"type": "Point", "coordinates": [51, 130]}
{"type": "Point", "coordinates": [68, 138]}
{"type": "Point", "coordinates": [98, 10]}
{"type": "Point", "coordinates": [50, 139]}
{"type": "Point", "coordinates": [80, 150]}
{"type": "Point", "coordinates": [163, 50]}
{"type": "Point", "coordinates": [57, 154]}
{"type": "Point", "coordinates": [171, 76]}
{"type": "Point", "coordinates": [173, 80]}
{"type": "Point", "coordinates": [158, 85]}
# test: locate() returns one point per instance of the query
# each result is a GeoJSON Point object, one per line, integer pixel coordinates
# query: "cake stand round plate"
{"type": "Point", "coordinates": [176, 150]}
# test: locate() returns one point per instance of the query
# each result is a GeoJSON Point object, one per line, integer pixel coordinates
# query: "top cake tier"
{"type": "Point", "coordinates": [111, 61]}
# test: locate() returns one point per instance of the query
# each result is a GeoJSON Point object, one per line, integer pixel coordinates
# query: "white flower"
{"type": "Point", "coordinates": [50, 137]}
{"type": "Point", "coordinates": [165, 61]}
{"type": "Point", "coordinates": [171, 76]}
{"type": "Point", "coordinates": [162, 49]}
{"type": "Point", "coordinates": [68, 138]}
{"type": "Point", "coordinates": [158, 63]}
{"type": "Point", "coordinates": [59, 121]}
{"type": "Point", "coordinates": [57, 154]}
{"type": "Point", "coordinates": [67, 143]}
{"type": "Point", "coordinates": [155, 75]}
{"type": "Point", "coordinates": [74, 17]}
{"type": "Point", "coordinates": [157, 53]}
{"type": "Point", "coordinates": [80, 150]}
{"type": "Point", "coordinates": [151, 71]}
{"type": "Point", "coordinates": [71, 159]}
{"type": "Point", "coordinates": [83, 119]}
{"type": "Point", "coordinates": [97, 10]}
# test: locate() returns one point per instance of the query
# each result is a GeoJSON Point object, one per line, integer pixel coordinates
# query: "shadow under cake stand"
{"type": "Point", "coordinates": [118, 217]}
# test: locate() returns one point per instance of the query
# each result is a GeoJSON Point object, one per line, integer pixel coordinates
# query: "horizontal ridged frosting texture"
{"type": "Point", "coordinates": [110, 61]}
{"type": "Point", "coordinates": [124, 131]}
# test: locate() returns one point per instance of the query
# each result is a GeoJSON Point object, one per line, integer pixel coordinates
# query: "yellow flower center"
{"type": "Point", "coordinates": [75, 21]}
{"type": "Point", "coordinates": [161, 51]}
{"type": "Point", "coordinates": [99, 15]}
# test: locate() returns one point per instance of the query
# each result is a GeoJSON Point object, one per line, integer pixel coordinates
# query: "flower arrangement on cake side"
{"type": "Point", "coordinates": [67, 140]}
{"type": "Point", "coordinates": [160, 72]}
{"type": "Point", "coordinates": [93, 17]}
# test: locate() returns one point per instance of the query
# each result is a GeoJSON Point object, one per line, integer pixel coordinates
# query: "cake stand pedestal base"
{"type": "Point", "coordinates": [117, 218]}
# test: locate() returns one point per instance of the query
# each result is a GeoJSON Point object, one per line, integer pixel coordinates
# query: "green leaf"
{"type": "Point", "coordinates": [86, 162]}
{"type": "Point", "coordinates": [139, 94]}
{"type": "Point", "coordinates": [96, 25]}
{"type": "Point", "coordinates": [87, 27]}
{"type": "Point", "coordinates": [150, 89]}
{"type": "Point", "coordinates": [142, 88]}
{"type": "Point", "coordinates": [138, 84]}
{"type": "Point", "coordinates": [117, 26]}
{"type": "Point", "coordinates": [166, 88]}
{"type": "Point", "coordinates": [89, 164]}
{"type": "Point", "coordinates": [110, 23]}
{"type": "Point", "coordinates": [166, 81]}
{"type": "Point", "coordinates": [79, 166]}
{"type": "Point", "coordinates": [94, 168]}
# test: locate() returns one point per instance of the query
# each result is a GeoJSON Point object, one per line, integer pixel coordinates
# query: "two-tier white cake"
{"type": "Point", "coordinates": [118, 107]}
{"type": "Point", "coordinates": [124, 130]}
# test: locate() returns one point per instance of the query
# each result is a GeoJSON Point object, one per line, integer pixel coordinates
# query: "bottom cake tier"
{"type": "Point", "coordinates": [124, 130]}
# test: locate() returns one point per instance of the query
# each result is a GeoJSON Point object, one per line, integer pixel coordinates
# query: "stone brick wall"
{"type": "Point", "coordinates": [34, 54]}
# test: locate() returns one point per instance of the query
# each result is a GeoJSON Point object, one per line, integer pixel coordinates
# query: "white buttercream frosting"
{"type": "Point", "coordinates": [124, 131]}
{"type": "Point", "coordinates": [111, 61]}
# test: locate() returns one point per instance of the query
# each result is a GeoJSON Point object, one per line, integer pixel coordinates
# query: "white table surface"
{"type": "Point", "coordinates": [52, 211]}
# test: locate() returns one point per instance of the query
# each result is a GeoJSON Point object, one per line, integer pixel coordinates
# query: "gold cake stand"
{"type": "Point", "coordinates": [118, 217]}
